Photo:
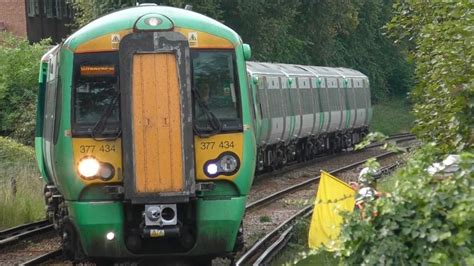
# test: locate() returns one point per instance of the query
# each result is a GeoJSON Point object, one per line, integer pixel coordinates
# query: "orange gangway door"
{"type": "Point", "coordinates": [156, 124]}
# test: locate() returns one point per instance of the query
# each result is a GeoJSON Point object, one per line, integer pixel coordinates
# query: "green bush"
{"type": "Point", "coordinates": [11, 150]}
{"type": "Point", "coordinates": [439, 36]}
{"type": "Point", "coordinates": [19, 65]}
{"type": "Point", "coordinates": [428, 219]}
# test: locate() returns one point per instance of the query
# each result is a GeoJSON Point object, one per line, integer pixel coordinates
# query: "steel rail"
{"type": "Point", "coordinates": [24, 231]}
{"type": "Point", "coordinates": [43, 258]}
{"type": "Point", "coordinates": [265, 200]}
{"type": "Point", "coordinates": [263, 242]}
{"type": "Point", "coordinates": [275, 240]}
{"type": "Point", "coordinates": [274, 248]}
{"type": "Point", "coordinates": [21, 228]}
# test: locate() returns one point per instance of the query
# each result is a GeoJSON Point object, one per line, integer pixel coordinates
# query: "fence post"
{"type": "Point", "coordinates": [13, 185]}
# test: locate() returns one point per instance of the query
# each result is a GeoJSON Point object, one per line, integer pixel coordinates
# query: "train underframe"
{"type": "Point", "coordinates": [276, 156]}
{"type": "Point", "coordinates": [205, 228]}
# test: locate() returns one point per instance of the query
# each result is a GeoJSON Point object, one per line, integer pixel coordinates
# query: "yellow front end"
{"type": "Point", "coordinates": [209, 151]}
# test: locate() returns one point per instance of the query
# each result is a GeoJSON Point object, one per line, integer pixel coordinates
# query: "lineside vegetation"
{"type": "Point", "coordinates": [21, 189]}
{"type": "Point", "coordinates": [429, 217]}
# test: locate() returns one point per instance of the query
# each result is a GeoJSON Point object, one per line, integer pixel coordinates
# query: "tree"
{"type": "Point", "coordinates": [440, 38]}
{"type": "Point", "coordinates": [88, 10]}
{"type": "Point", "coordinates": [313, 32]}
{"type": "Point", "coordinates": [19, 66]}
{"type": "Point", "coordinates": [429, 218]}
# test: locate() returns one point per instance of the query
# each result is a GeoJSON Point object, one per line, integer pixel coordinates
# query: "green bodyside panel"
{"type": "Point", "coordinates": [329, 110]}
{"type": "Point", "coordinates": [39, 121]}
{"type": "Point", "coordinates": [258, 115]}
{"type": "Point", "coordinates": [69, 183]}
{"type": "Point", "coordinates": [125, 19]}
{"type": "Point", "coordinates": [165, 24]}
{"type": "Point", "coordinates": [264, 127]}
{"type": "Point", "coordinates": [348, 106]}
{"type": "Point", "coordinates": [42, 73]}
{"type": "Point", "coordinates": [370, 115]}
{"type": "Point", "coordinates": [292, 114]}
{"type": "Point", "coordinates": [93, 220]}
{"type": "Point", "coordinates": [218, 223]}
{"type": "Point", "coordinates": [321, 114]}
{"type": "Point", "coordinates": [40, 159]}
{"type": "Point", "coordinates": [246, 173]}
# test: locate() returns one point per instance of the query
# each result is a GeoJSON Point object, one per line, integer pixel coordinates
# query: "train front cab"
{"type": "Point", "coordinates": [150, 160]}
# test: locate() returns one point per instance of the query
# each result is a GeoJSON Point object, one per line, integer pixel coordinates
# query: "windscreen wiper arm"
{"type": "Point", "coordinates": [214, 122]}
{"type": "Point", "coordinates": [100, 125]}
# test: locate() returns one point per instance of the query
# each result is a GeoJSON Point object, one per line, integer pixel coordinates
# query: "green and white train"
{"type": "Point", "coordinates": [151, 124]}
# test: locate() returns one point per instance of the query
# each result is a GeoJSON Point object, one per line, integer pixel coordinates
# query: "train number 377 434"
{"type": "Point", "coordinates": [92, 148]}
{"type": "Point", "coordinates": [210, 145]}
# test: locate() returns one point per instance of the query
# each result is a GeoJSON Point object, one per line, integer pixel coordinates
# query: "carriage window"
{"type": "Point", "coordinates": [216, 90]}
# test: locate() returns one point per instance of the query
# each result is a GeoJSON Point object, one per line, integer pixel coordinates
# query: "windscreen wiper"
{"type": "Point", "coordinates": [99, 127]}
{"type": "Point", "coordinates": [212, 119]}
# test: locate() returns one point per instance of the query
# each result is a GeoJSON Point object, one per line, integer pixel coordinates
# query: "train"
{"type": "Point", "coordinates": [151, 125]}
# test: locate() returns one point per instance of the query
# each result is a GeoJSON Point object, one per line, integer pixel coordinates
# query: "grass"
{"type": "Point", "coordinates": [264, 219]}
{"type": "Point", "coordinates": [297, 251]}
{"type": "Point", "coordinates": [21, 189]}
{"type": "Point", "coordinates": [391, 116]}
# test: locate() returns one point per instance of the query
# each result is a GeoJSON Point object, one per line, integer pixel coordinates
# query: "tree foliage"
{"type": "Point", "coordinates": [19, 65]}
{"type": "Point", "coordinates": [428, 219]}
{"type": "Point", "coordinates": [88, 10]}
{"type": "Point", "coordinates": [343, 33]}
{"type": "Point", "coordinates": [12, 151]}
{"type": "Point", "coordinates": [440, 38]}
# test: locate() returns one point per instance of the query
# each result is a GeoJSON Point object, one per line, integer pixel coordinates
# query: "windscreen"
{"type": "Point", "coordinates": [96, 97]}
{"type": "Point", "coordinates": [215, 89]}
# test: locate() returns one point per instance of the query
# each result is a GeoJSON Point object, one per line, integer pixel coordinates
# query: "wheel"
{"type": "Point", "coordinates": [239, 241]}
{"type": "Point", "coordinates": [71, 244]}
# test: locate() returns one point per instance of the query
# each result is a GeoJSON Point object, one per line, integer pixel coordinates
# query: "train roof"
{"type": "Point", "coordinates": [125, 20]}
{"type": "Point", "coordinates": [301, 70]}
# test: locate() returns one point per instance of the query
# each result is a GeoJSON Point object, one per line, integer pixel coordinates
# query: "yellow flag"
{"type": "Point", "coordinates": [333, 196]}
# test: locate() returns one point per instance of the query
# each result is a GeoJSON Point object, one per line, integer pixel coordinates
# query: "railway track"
{"type": "Point", "coordinates": [43, 258]}
{"type": "Point", "coordinates": [292, 166]}
{"type": "Point", "coordinates": [270, 198]}
{"type": "Point", "coordinates": [263, 250]}
{"type": "Point", "coordinates": [12, 235]}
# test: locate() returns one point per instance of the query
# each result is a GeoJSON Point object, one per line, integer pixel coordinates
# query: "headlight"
{"type": "Point", "coordinates": [153, 21]}
{"type": "Point", "coordinates": [88, 167]}
{"type": "Point", "coordinates": [91, 168]}
{"type": "Point", "coordinates": [212, 169]}
{"type": "Point", "coordinates": [106, 171]}
{"type": "Point", "coordinates": [228, 163]}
